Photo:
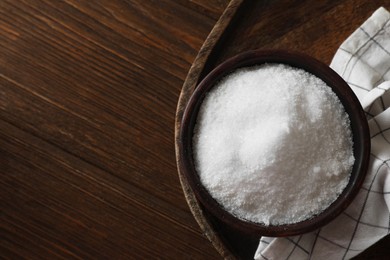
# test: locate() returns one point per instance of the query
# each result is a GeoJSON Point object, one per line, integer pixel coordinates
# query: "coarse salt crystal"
{"type": "Point", "coordinates": [272, 144]}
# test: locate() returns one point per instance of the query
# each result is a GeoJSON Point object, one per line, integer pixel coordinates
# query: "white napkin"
{"type": "Point", "coordinates": [363, 60]}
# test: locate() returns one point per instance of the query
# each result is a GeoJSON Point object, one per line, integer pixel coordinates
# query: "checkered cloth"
{"type": "Point", "coordinates": [363, 60]}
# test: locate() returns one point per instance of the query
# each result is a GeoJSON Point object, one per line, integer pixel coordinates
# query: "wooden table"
{"type": "Point", "coordinates": [88, 93]}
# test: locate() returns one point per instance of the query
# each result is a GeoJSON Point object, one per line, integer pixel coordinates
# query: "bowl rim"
{"type": "Point", "coordinates": [359, 127]}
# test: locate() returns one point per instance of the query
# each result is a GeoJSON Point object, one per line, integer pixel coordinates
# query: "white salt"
{"type": "Point", "coordinates": [273, 145]}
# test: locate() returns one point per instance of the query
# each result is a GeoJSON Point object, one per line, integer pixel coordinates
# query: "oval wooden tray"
{"type": "Point", "coordinates": [316, 28]}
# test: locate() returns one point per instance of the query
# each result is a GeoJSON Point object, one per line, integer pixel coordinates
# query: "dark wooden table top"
{"type": "Point", "coordinates": [88, 94]}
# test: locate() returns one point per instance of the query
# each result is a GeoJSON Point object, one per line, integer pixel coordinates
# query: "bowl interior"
{"type": "Point", "coordinates": [359, 127]}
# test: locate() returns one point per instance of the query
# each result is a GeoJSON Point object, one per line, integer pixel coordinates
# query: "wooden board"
{"type": "Point", "coordinates": [88, 93]}
{"type": "Point", "coordinates": [316, 28]}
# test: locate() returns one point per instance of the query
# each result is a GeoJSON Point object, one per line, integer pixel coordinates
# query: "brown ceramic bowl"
{"type": "Point", "coordinates": [360, 132]}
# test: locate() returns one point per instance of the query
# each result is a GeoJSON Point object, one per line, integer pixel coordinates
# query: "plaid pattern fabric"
{"type": "Point", "coordinates": [363, 60]}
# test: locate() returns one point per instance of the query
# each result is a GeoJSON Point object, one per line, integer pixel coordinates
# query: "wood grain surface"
{"type": "Point", "coordinates": [88, 92]}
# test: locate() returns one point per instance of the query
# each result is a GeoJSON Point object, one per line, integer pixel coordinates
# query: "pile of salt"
{"type": "Point", "coordinates": [273, 145]}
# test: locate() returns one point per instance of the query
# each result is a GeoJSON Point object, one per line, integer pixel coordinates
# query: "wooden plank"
{"type": "Point", "coordinates": [88, 91]}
